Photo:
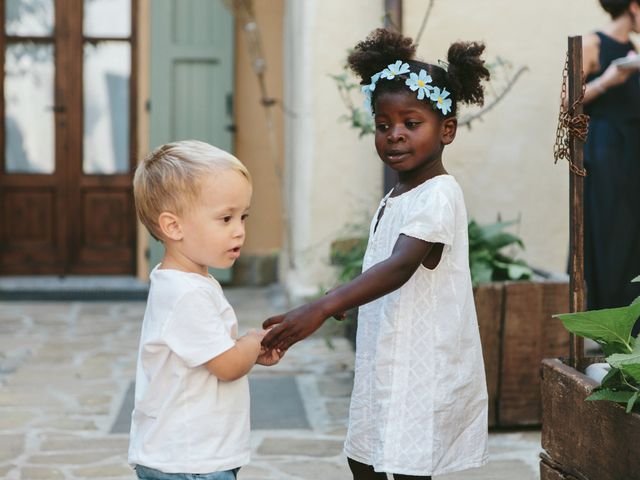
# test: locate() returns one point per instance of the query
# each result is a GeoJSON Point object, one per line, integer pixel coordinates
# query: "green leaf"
{"type": "Point", "coordinates": [631, 401]}
{"type": "Point", "coordinates": [613, 379]}
{"type": "Point", "coordinates": [637, 279]}
{"type": "Point", "coordinates": [618, 396]}
{"type": "Point", "coordinates": [503, 239]}
{"type": "Point", "coordinates": [637, 300]}
{"type": "Point", "coordinates": [611, 325]}
{"type": "Point", "coordinates": [628, 363]}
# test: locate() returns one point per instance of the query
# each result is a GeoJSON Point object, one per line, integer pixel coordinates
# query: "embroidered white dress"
{"type": "Point", "coordinates": [419, 401]}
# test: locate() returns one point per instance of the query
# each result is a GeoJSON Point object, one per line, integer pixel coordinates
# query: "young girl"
{"type": "Point", "coordinates": [419, 402]}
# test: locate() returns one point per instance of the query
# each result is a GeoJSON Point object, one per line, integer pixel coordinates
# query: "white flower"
{"type": "Point", "coordinates": [395, 69]}
{"type": "Point", "coordinates": [420, 83]}
{"type": "Point", "coordinates": [441, 100]}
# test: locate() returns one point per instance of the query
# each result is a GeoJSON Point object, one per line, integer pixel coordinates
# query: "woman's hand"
{"type": "Point", "coordinates": [614, 75]}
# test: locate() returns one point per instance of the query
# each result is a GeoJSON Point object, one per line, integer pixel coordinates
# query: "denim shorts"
{"type": "Point", "coordinates": [146, 473]}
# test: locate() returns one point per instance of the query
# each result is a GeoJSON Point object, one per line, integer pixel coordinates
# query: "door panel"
{"type": "Point", "coordinates": [68, 138]}
{"type": "Point", "coordinates": [191, 79]}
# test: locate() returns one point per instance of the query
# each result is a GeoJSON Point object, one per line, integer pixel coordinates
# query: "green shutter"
{"type": "Point", "coordinates": [191, 79]}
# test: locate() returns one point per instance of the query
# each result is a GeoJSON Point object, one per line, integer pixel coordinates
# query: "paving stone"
{"type": "Point", "coordinates": [5, 469]}
{"type": "Point", "coordinates": [104, 471]}
{"type": "Point", "coordinates": [10, 447]}
{"type": "Point", "coordinates": [15, 419]}
{"type": "Point", "coordinates": [76, 458]}
{"type": "Point", "coordinates": [338, 409]}
{"type": "Point", "coordinates": [336, 387]}
{"type": "Point", "coordinates": [496, 470]}
{"type": "Point", "coordinates": [297, 446]}
{"type": "Point", "coordinates": [31, 399]}
{"type": "Point", "coordinates": [67, 424]}
{"type": "Point", "coordinates": [315, 470]}
{"type": "Point", "coordinates": [81, 443]}
{"type": "Point", "coordinates": [97, 399]}
{"type": "Point", "coordinates": [37, 473]}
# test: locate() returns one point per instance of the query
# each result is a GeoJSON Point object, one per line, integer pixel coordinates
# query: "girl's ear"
{"type": "Point", "coordinates": [170, 226]}
{"type": "Point", "coordinates": [448, 130]}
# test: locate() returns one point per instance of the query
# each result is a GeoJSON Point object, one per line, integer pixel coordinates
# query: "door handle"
{"type": "Point", "coordinates": [57, 108]}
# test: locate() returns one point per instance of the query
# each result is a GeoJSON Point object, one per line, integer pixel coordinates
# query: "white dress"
{"type": "Point", "coordinates": [419, 401]}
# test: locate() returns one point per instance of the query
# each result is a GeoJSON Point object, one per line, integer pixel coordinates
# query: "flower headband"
{"type": "Point", "coordinates": [420, 82]}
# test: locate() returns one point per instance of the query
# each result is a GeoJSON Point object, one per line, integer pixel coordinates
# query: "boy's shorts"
{"type": "Point", "coordinates": [146, 473]}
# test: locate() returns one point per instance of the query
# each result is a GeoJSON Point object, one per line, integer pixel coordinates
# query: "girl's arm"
{"type": "Point", "coordinates": [238, 360]}
{"type": "Point", "coordinates": [384, 277]}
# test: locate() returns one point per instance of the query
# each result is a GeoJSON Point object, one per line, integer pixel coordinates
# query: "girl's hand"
{"type": "Point", "coordinates": [291, 327]}
{"type": "Point", "coordinates": [340, 315]}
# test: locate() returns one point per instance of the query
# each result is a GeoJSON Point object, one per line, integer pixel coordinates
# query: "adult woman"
{"type": "Point", "coordinates": [612, 160]}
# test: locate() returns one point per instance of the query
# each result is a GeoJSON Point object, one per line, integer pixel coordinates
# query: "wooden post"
{"type": "Point", "coordinates": [576, 188]}
{"type": "Point", "coordinates": [392, 21]}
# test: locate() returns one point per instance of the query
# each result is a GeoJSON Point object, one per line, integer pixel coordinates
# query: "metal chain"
{"type": "Point", "coordinates": [570, 125]}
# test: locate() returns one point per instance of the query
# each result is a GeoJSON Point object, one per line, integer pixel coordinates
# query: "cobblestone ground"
{"type": "Point", "coordinates": [65, 369]}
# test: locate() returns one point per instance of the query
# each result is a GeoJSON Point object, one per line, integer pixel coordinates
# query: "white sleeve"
{"type": "Point", "coordinates": [195, 330]}
{"type": "Point", "coordinates": [431, 218]}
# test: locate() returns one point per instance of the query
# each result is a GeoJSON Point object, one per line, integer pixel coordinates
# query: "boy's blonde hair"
{"type": "Point", "coordinates": [168, 179]}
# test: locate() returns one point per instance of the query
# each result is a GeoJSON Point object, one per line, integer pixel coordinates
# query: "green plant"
{"type": "Point", "coordinates": [487, 261]}
{"type": "Point", "coordinates": [611, 329]}
{"type": "Point", "coordinates": [348, 255]}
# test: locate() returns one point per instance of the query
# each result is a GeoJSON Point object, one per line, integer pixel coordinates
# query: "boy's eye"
{"type": "Point", "coordinates": [226, 219]}
{"type": "Point", "coordinates": [244, 217]}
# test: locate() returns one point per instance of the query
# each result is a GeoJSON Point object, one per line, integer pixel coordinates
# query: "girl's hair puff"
{"type": "Point", "coordinates": [383, 47]}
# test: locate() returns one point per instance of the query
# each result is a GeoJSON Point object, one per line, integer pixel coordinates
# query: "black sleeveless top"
{"type": "Point", "coordinates": [622, 101]}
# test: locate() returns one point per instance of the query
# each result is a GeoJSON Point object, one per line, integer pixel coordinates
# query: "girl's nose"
{"type": "Point", "coordinates": [396, 134]}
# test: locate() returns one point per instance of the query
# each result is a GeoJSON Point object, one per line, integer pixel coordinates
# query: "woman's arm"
{"type": "Point", "coordinates": [385, 277]}
{"type": "Point", "coordinates": [611, 77]}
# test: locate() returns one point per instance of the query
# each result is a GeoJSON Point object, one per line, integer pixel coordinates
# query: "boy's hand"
{"type": "Point", "coordinates": [269, 358]}
{"type": "Point", "coordinates": [255, 335]}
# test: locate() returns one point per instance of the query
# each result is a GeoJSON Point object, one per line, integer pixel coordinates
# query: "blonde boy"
{"type": "Point", "coordinates": [191, 413]}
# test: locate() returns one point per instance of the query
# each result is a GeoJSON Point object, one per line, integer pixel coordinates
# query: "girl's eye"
{"type": "Point", "coordinates": [382, 127]}
{"type": "Point", "coordinates": [412, 124]}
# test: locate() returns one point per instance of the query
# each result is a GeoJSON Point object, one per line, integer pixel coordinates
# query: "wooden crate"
{"type": "Point", "coordinates": [517, 332]}
{"type": "Point", "coordinates": [584, 440]}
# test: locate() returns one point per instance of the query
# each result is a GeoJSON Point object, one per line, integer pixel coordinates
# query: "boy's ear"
{"type": "Point", "coordinates": [170, 226]}
{"type": "Point", "coordinates": [448, 130]}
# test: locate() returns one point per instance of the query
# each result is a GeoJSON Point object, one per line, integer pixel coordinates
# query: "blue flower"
{"type": "Point", "coordinates": [440, 97]}
{"type": "Point", "coordinates": [394, 70]}
{"type": "Point", "coordinates": [420, 83]}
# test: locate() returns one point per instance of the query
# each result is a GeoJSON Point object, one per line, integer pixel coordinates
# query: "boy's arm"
{"type": "Point", "coordinates": [238, 360]}
{"type": "Point", "coordinates": [384, 277]}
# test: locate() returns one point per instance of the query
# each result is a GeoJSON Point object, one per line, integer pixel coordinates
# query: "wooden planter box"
{"type": "Point", "coordinates": [517, 332]}
{"type": "Point", "coordinates": [584, 440]}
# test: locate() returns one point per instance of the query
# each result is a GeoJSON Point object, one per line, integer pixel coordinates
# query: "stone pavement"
{"type": "Point", "coordinates": [66, 368]}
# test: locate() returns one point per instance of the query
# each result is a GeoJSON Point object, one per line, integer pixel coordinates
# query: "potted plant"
{"type": "Point", "coordinates": [591, 429]}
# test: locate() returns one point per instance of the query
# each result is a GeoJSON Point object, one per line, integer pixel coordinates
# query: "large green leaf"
{"type": "Point", "coordinates": [618, 396]}
{"type": "Point", "coordinates": [611, 325]}
{"type": "Point", "coordinates": [637, 279]}
{"type": "Point", "coordinates": [613, 379]}
{"type": "Point", "coordinates": [628, 363]}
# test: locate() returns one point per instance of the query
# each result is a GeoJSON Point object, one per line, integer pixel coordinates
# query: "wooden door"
{"type": "Point", "coordinates": [191, 79]}
{"type": "Point", "coordinates": [68, 97]}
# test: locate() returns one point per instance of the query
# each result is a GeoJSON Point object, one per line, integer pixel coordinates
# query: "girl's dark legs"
{"type": "Point", "coordinates": [361, 471]}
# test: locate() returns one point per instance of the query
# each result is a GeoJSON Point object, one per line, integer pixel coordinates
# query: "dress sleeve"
{"type": "Point", "coordinates": [431, 217]}
{"type": "Point", "coordinates": [195, 330]}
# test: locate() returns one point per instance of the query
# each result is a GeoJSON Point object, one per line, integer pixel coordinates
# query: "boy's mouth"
{"type": "Point", "coordinates": [235, 251]}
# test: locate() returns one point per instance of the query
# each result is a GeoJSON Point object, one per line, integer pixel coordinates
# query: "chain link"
{"type": "Point", "coordinates": [570, 125]}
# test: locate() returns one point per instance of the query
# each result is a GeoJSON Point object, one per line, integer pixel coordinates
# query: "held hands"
{"type": "Point", "coordinates": [289, 328]}
{"type": "Point", "coordinates": [265, 357]}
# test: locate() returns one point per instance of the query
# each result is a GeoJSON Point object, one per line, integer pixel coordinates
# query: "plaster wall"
{"type": "Point", "coordinates": [505, 162]}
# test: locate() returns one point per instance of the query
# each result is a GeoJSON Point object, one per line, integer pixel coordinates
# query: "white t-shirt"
{"type": "Point", "coordinates": [419, 402]}
{"type": "Point", "coordinates": [185, 420]}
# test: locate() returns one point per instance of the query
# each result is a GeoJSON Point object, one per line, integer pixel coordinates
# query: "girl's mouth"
{"type": "Point", "coordinates": [394, 156]}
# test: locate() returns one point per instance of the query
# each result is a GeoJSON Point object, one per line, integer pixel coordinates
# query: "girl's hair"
{"type": "Point", "coordinates": [462, 78]}
{"type": "Point", "coordinates": [615, 8]}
